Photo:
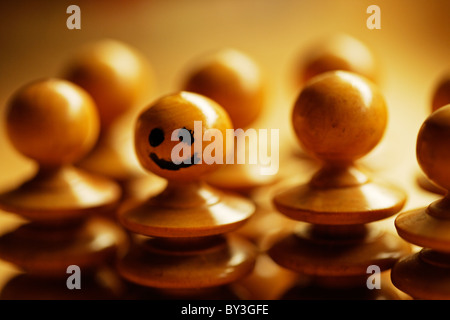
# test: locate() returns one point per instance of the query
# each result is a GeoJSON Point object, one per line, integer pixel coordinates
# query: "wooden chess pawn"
{"type": "Point", "coordinates": [426, 274]}
{"type": "Point", "coordinates": [183, 245]}
{"type": "Point", "coordinates": [54, 122]}
{"type": "Point", "coordinates": [441, 97]}
{"type": "Point", "coordinates": [120, 80]}
{"type": "Point", "coordinates": [336, 52]}
{"type": "Point", "coordinates": [338, 118]}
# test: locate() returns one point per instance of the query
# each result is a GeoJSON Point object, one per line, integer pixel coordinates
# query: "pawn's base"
{"type": "Point", "coordinates": [241, 178]}
{"type": "Point", "coordinates": [188, 263]}
{"type": "Point", "coordinates": [60, 194]}
{"type": "Point", "coordinates": [355, 204]}
{"type": "Point", "coordinates": [339, 254]}
{"type": "Point", "coordinates": [424, 275]}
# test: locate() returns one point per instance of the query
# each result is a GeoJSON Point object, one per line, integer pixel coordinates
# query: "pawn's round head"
{"type": "Point", "coordinates": [116, 75]}
{"type": "Point", "coordinates": [441, 95]}
{"type": "Point", "coordinates": [433, 147]}
{"type": "Point", "coordinates": [182, 136]}
{"type": "Point", "coordinates": [52, 121]}
{"type": "Point", "coordinates": [233, 80]}
{"type": "Point", "coordinates": [339, 117]}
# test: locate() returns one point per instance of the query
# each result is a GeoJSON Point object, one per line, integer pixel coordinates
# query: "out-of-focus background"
{"type": "Point", "coordinates": [412, 47]}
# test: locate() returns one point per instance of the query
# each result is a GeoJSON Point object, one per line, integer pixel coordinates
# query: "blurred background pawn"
{"type": "Point", "coordinates": [235, 81]}
{"type": "Point", "coordinates": [120, 80]}
{"type": "Point", "coordinates": [335, 52]}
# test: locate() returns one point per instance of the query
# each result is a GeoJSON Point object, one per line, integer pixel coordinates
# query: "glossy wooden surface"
{"type": "Point", "coordinates": [52, 121]}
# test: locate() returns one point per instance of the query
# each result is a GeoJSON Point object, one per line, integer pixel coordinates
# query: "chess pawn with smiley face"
{"type": "Point", "coordinates": [180, 241]}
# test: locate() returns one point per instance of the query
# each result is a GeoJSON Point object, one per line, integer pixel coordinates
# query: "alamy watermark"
{"type": "Point", "coordinates": [374, 280]}
{"type": "Point", "coordinates": [235, 141]}
{"type": "Point", "coordinates": [74, 280]}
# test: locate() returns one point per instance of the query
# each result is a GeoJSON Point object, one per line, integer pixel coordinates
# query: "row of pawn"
{"type": "Point", "coordinates": [199, 231]}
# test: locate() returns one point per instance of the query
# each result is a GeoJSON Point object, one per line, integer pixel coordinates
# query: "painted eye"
{"type": "Point", "coordinates": [156, 137]}
{"type": "Point", "coordinates": [191, 132]}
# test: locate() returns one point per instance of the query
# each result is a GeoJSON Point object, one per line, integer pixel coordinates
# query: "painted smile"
{"type": "Point", "coordinates": [169, 165]}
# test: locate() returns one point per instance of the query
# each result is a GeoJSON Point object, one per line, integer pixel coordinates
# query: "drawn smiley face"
{"type": "Point", "coordinates": [167, 123]}
{"type": "Point", "coordinates": [157, 137]}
